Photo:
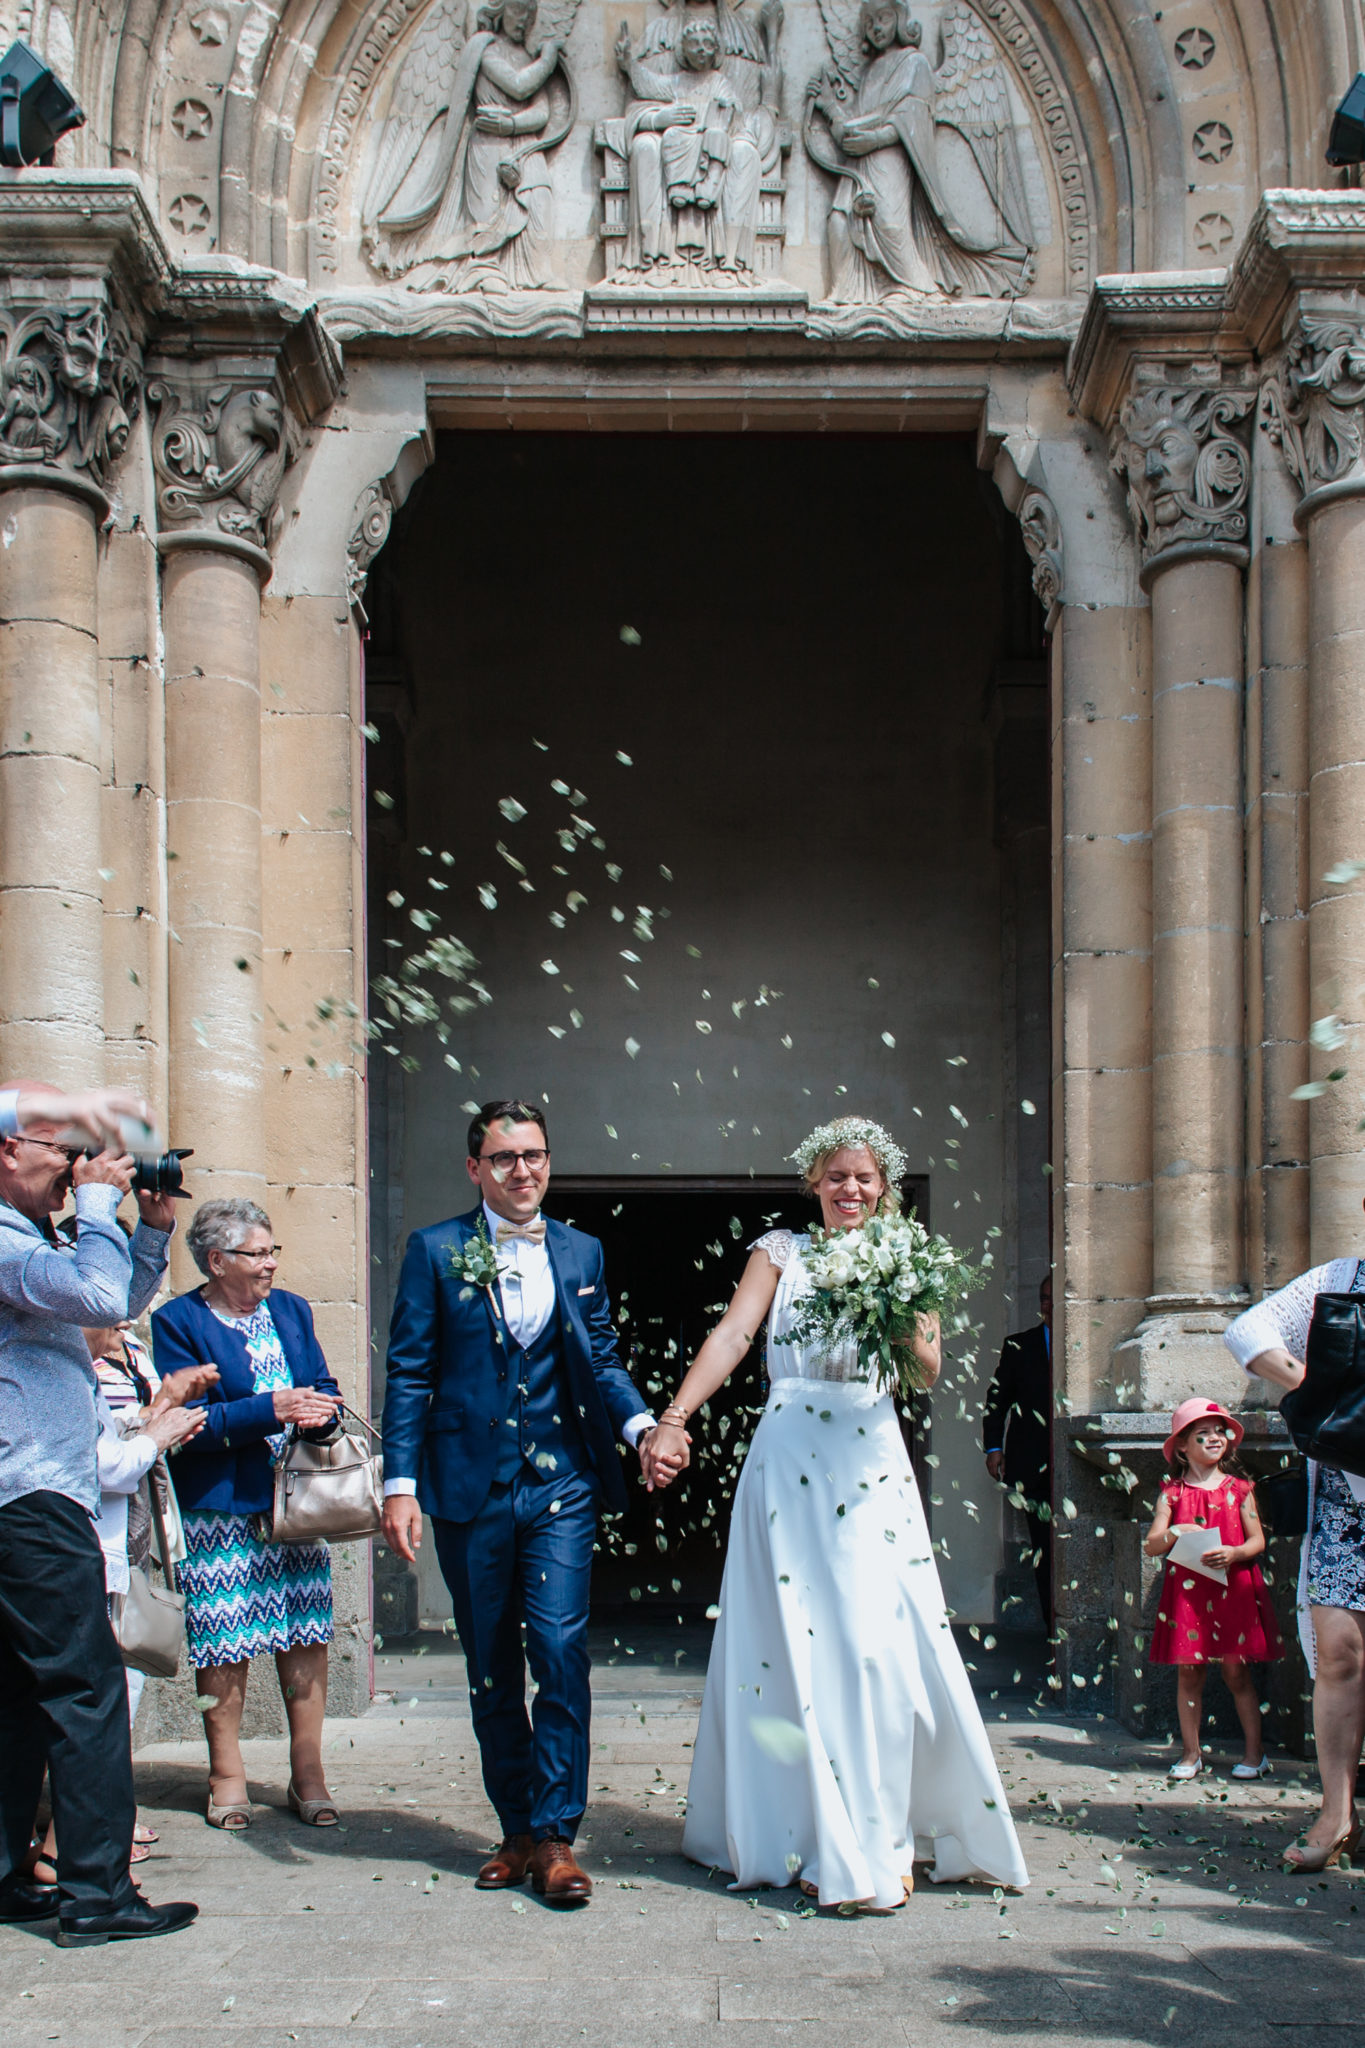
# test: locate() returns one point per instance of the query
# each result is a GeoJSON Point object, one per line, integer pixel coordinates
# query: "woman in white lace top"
{"type": "Point", "coordinates": [839, 1739]}
{"type": "Point", "coordinates": [1270, 1340]}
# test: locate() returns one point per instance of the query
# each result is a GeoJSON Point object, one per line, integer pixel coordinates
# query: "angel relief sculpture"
{"type": "Point", "coordinates": [930, 199]}
{"type": "Point", "coordinates": [459, 198]}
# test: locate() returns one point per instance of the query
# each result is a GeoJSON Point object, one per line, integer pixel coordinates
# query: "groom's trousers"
{"type": "Point", "coordinates": [526, 1557]}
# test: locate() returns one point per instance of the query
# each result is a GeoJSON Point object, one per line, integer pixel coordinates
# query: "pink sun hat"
{"type": "Point", "coordinates": [1195, 1410]}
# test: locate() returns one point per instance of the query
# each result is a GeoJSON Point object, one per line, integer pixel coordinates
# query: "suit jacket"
{"type": "Point", "coordinates": [447, 1394]}
{"type": "Point", "coordinates": [1018, 1413]}
{"type": "Point", "coordinates": [227, 1467]}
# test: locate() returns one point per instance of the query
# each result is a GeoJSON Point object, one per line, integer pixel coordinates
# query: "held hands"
{"type": "Point", "coordinates": [305, 1407]}
{"type": "Point", "coordinates": [402, 1526]}
{"type": "Point", "coordinates": [664, 1452]}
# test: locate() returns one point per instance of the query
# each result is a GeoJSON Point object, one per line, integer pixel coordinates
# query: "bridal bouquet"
{"type": "Point", "coordinates": [872, 1287]}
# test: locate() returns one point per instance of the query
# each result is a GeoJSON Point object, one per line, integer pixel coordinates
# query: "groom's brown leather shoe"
{"type": "Point", "coordinates": [556, 1875]}
{"type": "Point", "coordinates": [508, 1866]}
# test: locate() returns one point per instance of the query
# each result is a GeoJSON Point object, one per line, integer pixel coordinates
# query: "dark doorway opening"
{"type": "Point", "coordinates": [674, 1251]}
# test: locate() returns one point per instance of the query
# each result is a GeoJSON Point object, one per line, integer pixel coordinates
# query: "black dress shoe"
{"type": "Point", "coordinates": [20, 1899]}
{"type": "Point", "coordinates": [133, 1922]}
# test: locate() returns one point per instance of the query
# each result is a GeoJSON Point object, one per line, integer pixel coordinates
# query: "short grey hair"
{"type": "Point", "coordinates": [220, 1227]}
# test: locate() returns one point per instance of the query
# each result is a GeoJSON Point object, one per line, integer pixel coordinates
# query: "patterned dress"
{"type": "Point", "coordinates": [245, 1596]}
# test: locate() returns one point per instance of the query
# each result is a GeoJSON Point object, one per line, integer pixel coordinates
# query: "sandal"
{"type": "Point", "coordinates": [314, 1813]}
{"type": "Point", "coordinates": [233, 1817]}
{"type": "Point", "coordinates": [1309, 1857]}
{"type": "Point", "coordinates": [139, 1853]}
{"type": "Point", "coordinates": [142, 1833]}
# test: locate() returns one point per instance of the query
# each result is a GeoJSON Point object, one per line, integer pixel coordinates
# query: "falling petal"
{"type": "Point", "coordinates": [624, 759]}
{"type": "Point", "coordinates": [630, 636]}
{"type": "Point", "coordinates": [548, 967]}
{"type": "Point", "coordinates": [1029, 1108]}
{"type": "Point", "coordinates": [779, 1739]}
{"type": "Point", "coordinates": [511, 809]}
{"type": "Point", "coordinates": [888, 1039]}
{"type": "Point", "coordinates": [632, 1046]}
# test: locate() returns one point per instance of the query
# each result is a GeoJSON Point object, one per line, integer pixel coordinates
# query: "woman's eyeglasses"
{"type": "Point", "coordinates": [272, 1251]}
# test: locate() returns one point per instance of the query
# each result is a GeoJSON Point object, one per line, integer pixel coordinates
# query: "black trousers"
{"type": "Point", "coordinates": [63, 1703]}
{"type": "Point", "coordinates": [1040, 1537]}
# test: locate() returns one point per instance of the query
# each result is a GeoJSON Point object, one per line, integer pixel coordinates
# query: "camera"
{"type": "Point", "coordinates": [157, 1173]}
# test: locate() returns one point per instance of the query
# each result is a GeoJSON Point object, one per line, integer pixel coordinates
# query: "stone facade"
{"type": "Point", "coordinates": [295, 240]}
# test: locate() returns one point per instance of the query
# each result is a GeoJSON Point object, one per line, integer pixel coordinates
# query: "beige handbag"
{"type": "Point", "coordinates": [149, 1620]}
{"type": "Point", "coordinates": [331, 1492]}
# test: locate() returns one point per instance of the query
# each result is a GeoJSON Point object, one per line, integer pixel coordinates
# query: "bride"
{"type": "Point", "coordinates": [839, 1739]}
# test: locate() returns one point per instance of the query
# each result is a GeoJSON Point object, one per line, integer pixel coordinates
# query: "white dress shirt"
{"type": "Point", "coordinates": [526, 1291]}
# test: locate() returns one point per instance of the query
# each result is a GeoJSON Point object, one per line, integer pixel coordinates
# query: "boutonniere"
{"type": "Point", "coordinates": [476, 1264]}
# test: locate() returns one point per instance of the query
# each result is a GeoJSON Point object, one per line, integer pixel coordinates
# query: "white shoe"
{"type": "Point", "coordinates": [1260, 1770]}
{"type": "Point", "coordinates": [1182, 1772]}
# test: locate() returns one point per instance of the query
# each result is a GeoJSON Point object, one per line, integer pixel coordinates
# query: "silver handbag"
{"type": "Point", "coordinates": [149, 1620]}
{"type": "Point", "coordinates": [331, 1492]}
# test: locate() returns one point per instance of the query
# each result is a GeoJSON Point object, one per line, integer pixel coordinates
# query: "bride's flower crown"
{"type": "Point", "coordinates": [853, 1131]}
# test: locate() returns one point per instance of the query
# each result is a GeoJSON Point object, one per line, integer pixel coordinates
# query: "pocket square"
{"type": "Point", "coordinates": [588, 1290]}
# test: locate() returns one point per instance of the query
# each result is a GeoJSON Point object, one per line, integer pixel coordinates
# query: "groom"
{"type": "Point", "coordinates": [505, 1398]}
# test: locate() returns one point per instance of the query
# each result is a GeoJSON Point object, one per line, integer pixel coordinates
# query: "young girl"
{"type": "Point", "coordinates": [1198, 1620]}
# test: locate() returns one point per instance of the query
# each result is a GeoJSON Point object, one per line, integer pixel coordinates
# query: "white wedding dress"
{"type": "Point", "coordinates": [839, 1737]}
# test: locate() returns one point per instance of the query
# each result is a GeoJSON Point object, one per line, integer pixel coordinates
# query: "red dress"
{"type": "Point", "coordinates": [1198, 1621]}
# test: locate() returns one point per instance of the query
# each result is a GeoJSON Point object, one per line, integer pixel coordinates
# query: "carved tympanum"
{"type": "Point", "coordinates": [1312, 405]}
{"type": "Point", "coordinates": [220, 458]}
{"type": "Point", "coordinates": [1186, 472]}
{"type": "Point", "coordinates": [930, 200]}
{"type": "Point", "coordinates": [1042, 534]}
{"type": "Point", "coordinates": [68, 388]}
{"type": "Point", "coordinates": [460, 195]}
{"type": "Point", "coordinates": [701, 141]}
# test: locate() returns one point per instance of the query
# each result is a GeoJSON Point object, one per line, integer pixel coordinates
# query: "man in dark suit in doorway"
{"type": "Point", "coordinates": [505, 1399]}
{"type": "Point", "coordinates": [1016, 1434]}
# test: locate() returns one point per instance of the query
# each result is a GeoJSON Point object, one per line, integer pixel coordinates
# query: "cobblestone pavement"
{"type": "Point", "coordinates": [1156, 1914]}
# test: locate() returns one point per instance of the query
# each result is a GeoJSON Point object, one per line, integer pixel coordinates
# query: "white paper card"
{"type": "Point", "coordinates": [1190, 1546]}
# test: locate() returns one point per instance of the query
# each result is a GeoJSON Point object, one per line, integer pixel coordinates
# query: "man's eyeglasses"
{"type": "Point", "coordinates": [70, 1153]}
{"type": "Point", "coordinates": [535, 1160]}
{"type": "Point", "coordinates": [272, 1251]}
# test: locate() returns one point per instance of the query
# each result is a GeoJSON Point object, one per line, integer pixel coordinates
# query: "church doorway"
{"type": "Point", "coordinates": [726, 757]}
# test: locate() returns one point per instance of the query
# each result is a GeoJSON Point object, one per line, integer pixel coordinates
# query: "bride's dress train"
{"type": "Point", "coordinates": [839, 1737]}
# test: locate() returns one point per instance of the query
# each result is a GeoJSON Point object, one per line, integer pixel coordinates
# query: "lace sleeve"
{"type": "Point", "coordinates": [1283, 1318]}
{"type": "Point", "coordinates": [778, 1246]}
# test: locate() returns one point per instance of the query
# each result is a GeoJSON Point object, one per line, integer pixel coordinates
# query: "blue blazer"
{"type": "Point", "coordinates": [444, 1405]}
{"type": "Point", "coordinates": [227, 1467]}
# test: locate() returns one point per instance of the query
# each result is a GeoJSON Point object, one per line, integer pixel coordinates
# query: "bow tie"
{"type": "Point", "coordinates": [530, 1233]}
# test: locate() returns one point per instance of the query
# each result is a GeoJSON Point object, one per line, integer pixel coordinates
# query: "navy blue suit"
{"type": "Point", "coordinates": [511, 1451]}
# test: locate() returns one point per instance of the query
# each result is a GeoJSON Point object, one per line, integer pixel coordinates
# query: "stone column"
{"type": "Point", "coordinates": [221, 419]}
{"type": "Point", "coordinates": [69, 379]}
{"type": "Point", "coordinates": [1315, 404]}
{"type": "Point", "coordinates": [1187, 476]}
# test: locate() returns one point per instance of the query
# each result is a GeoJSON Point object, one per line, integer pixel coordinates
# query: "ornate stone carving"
{"type": "Point", "coordinates": [220, 464]}
{"type": "Point", "coordinates": [931, 200]}
{"type": "Point", "coordinates": [460, 195]}
{"type": "Point", "coordinates": [369, 531]}
{"type": "Point", "coordinates": [68, 388]}
{"type": "Point", "coordinates": [1187, 475]}
{"type": "Point", "coordinates": [692, 186]}
{"type": "Point", "coordinates": [1312, 404]}
{"type": "Point", "coordinates": [1042, 534]}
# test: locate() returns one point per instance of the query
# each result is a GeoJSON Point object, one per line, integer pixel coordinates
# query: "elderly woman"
{"type": "Point", "coordinates": [246, 1596]}
{"type": "Point", "coordinates": [1270, 1341]}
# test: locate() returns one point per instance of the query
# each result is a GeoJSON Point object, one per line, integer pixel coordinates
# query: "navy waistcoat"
{"type": "Point", "coordinates": [541, 1431]}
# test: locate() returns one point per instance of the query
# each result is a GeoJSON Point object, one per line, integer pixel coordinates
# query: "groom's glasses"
{"type": "Point", "coordinates": [502, 1163]}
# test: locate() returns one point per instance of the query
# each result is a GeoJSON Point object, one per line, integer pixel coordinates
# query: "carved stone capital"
{"type": "Point", "coordinates": [1313, 402]}
{"type": "Point", "coordinates": [1042, 532]}
{"type": "Point", "coordinates": [220, 447]}
{"type": "Point", "coordinates": [69, 374]}
{"type": "Point", "coordinates": [1180, 451]}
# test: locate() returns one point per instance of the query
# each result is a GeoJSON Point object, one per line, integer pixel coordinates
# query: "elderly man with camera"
{"type": "Point", "coordinates": [63, 1697]}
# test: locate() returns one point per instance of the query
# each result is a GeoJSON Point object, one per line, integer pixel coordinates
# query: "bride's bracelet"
{"type": "Point", "coordinates": [674, 1416]}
